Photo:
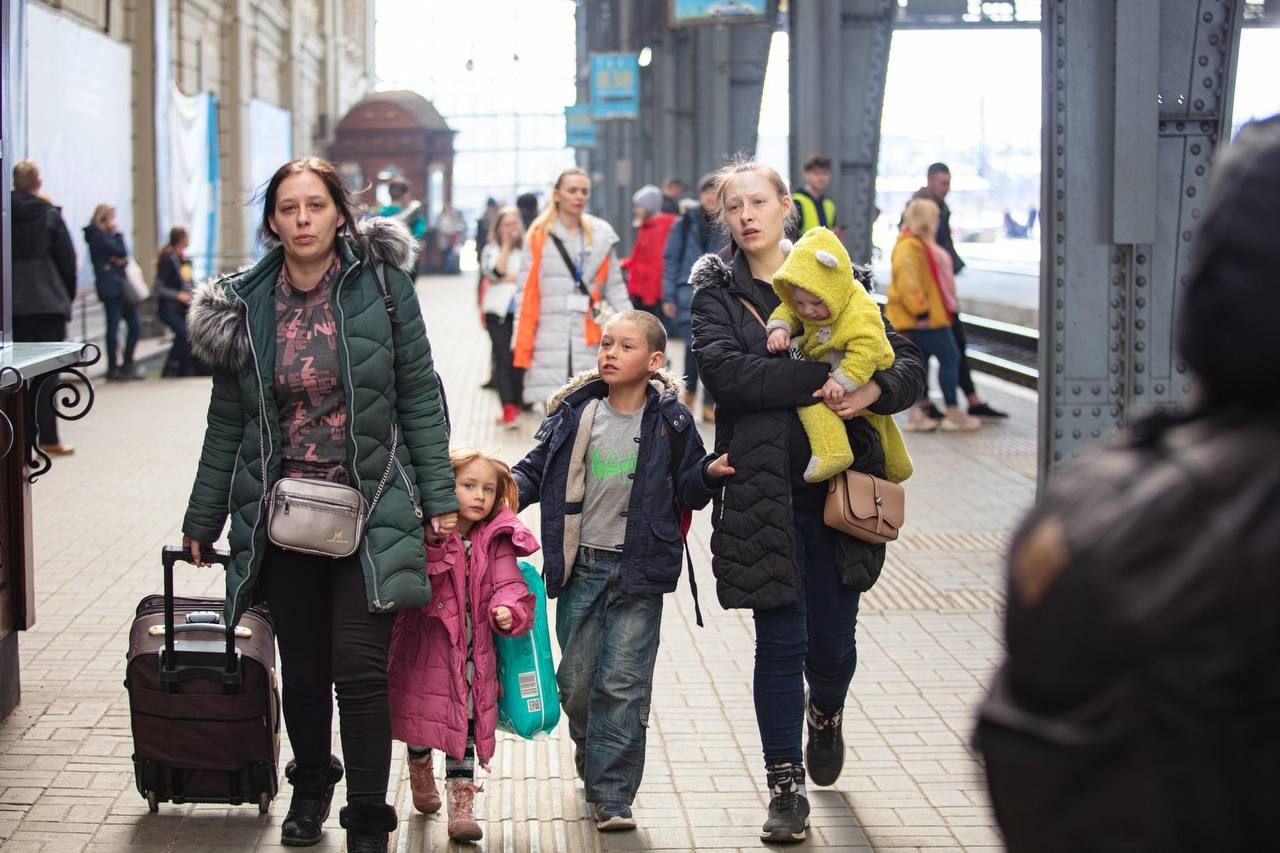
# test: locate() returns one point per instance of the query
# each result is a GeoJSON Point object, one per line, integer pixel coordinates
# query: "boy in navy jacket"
{"type": "Point", "coordinates": [617, 463]}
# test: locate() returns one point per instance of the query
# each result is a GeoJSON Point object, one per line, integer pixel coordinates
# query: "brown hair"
{"type": "Point", "coordinates": [177, 235]}
{"type": "Point", "coordinates": [552, 210]}
{"type": "Point", "coordinates": [508, 493]}
{"type": "Point", "coordinates": [741, 165]}
{"type": "Point", "coordinates": [327, 174]}
{"type": "Point", "coordinates": [817, 161]}
{"type": "Point", "coordinates": [654, 334]}
{"type": "Point", "coordinates": [26, 176]}
{"type": "Point", "coordinates": [496, 224]}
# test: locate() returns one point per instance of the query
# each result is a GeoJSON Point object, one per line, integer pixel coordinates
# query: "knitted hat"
{"type": "Point", "coordinates": [649, 198]}
{"type": "Point", "coordinates": [818, 263]}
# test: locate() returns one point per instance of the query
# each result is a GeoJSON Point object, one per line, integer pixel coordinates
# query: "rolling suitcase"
{"type": "Point", "coordinates": [528, 699]}
{"type": "Point", "coordinates": [203, 702]}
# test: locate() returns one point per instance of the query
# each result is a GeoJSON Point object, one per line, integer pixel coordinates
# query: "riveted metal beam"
{"type": "Point", "coordinates": [1130, 128]}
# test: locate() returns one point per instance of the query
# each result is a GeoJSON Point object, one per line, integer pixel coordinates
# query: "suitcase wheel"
{"type": "Point", "coordinates": [153, 801]}
{"type": "Point", "coordinates": [264, 803]}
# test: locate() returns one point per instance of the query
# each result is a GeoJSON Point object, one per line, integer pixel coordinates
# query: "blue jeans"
{"type": "Point", "coordinates": [608, 646]}
{"type": "Point", "coordinates": [811, 640]}
{"type": "Point", "coordinates": [940, 344]}
{"type": "Point", "coordinates": [116, 309]}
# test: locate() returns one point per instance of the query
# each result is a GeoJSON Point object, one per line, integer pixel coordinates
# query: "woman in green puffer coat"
{"type": "Point", "coordinates": [314, 377]}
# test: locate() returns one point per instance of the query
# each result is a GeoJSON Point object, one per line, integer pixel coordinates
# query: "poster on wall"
{"type": "Point", "coordinates": [691, 12]}
{"type": "Point", "coordinates": [80, 123]}
{"type": "Point", "coordinates": [193, 177]}
{"type": "Point", "coordinates": [270, 147]}
{"type": "Point", "coordinates": [615, 86]}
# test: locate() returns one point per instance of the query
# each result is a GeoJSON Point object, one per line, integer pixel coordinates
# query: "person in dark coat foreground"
{"type": "Point", "coordinates": [1138, 706]}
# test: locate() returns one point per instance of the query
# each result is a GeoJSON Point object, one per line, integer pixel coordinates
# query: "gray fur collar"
{"type": "Point", "coordinates": [215, 320]}
{"type": "Point", "coordinates": [661, 382]}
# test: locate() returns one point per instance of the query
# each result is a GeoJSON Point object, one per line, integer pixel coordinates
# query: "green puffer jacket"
{"type": "Point", "coordinates": [389, 380]}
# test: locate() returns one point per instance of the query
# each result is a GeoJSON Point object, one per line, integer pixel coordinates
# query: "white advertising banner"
{"type": "Point", "coordinates": [80, 122]}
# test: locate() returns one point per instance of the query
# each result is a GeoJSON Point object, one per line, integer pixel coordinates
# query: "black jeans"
{"type": "Point", "coordinates": [117, 310]}
{"type": "Point", "coordinates": [506, 376]}
{"type": "Point", "coordinates": [37, 328]}
{"type": "Point", "coordinates": [328, 638]}
{"type": "Point", "coordinates": [179, 361]}
{"type": "Point", "coordinates": [812, 640]}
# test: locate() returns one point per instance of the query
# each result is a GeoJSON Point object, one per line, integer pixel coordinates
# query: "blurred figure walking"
{"type": "Point", "coordinates": [1137, 708]}
{"type": "Point", "coordinates": [44, 286]}
{"type": "Point", "coordinates": [173, 294]}
{"type": "Point", "coordinates": [500, 267]}
{"type": "Point", "coordinates": [694, 234]}
{"type": "Point", "coordinates": [110, 256]}
{"type": "Point", "coordinates": [644, 266]}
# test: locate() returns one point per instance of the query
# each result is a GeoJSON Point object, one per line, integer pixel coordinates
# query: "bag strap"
{"type": "Point", "coordinates": [573, 268]}
{"type": "Point", "coordinates": [380, 277]}
{"type": "Point", "coordinates": [677, 456]}
{"type": "Point", "coordinates": [746, 303]}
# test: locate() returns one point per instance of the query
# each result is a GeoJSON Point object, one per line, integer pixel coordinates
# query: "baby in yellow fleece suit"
{"type": "Point", "coordinates": [841, 326]}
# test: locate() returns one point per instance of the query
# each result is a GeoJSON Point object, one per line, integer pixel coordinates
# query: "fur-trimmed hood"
{"type": "Point", "coordinates": [662, 382]}
{"type": "Point", "coordinates": [215, 320]}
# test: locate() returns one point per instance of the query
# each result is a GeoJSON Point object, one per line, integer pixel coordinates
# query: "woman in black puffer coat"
{"type": "Point", "coordinates": [772, 552]}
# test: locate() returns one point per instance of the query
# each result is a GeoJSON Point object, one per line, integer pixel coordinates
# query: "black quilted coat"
{"type": "Point", "coordinates": [753, 543]}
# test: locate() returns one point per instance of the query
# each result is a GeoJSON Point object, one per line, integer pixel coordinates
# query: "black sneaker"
{"type": "Point", "coordinates": [932, 412]}
{"type": "Point", "coordinates": [788, 808]}
{"type": "Point", "coordinates": [613, 817]}
{"type": "Point", "coordinates": [824, 753]}
{"type": "Point", "coordinates": [984, 410]}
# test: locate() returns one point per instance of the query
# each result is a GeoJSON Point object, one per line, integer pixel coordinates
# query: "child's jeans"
{"type": "Point", "coordinates": [608, 646]}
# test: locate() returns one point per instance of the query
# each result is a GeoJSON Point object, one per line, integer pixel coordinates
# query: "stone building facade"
{"type": "Point", "coordinates": [311, 57]}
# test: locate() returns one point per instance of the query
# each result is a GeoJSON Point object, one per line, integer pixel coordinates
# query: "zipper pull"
{"type": "Point", "coordinates": [286, 506]}
{"type": "Point", "coordinates": [417, 510]}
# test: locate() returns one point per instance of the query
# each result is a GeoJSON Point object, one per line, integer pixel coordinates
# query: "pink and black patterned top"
{"type": "Point", "coordinates": [308, 380]}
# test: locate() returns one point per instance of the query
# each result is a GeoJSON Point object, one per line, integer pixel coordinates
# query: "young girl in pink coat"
{"type": "Point", "coordinates": [443, 671]}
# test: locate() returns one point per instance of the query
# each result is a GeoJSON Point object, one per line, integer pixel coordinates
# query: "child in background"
{"type": "Point", "coordinates": [618, 460]}
{"type": "Point", "coordinates": [443, 670]}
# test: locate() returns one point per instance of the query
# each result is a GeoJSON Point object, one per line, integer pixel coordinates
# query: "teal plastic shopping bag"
{"type": "Point", "coordinates": [528, 700]}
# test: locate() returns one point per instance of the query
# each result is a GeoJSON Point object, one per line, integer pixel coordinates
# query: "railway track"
{"type": "Point", "coordinates": [1006, 350]}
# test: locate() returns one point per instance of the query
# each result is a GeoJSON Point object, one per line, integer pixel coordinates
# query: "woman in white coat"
{"type": "Point", "coordinates": [569, 281]}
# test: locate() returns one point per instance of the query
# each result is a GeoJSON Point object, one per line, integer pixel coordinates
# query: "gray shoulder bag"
{"type": "Point", "coordinates": [317, 516]}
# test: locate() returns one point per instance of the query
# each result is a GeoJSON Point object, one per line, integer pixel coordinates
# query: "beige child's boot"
{"type": "Point", "coordinates": [422, 779]}
{"type": "Point", "coordinates": [462, 821]}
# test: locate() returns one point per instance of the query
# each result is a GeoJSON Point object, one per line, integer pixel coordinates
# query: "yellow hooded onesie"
{"type": "Point", "coordinates": [852, 340]}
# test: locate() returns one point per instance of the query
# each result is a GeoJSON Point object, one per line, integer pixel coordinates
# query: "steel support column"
{"type": "Point", "coordinates": [1138, 96]}
{"type": "Point", "coordinates": [699, 104]}
{"type": "Point", "coordinates": [839, 57]}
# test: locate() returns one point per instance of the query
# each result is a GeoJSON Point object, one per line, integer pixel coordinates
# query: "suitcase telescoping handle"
{"type": "Point", "coordinates": [176, 553]}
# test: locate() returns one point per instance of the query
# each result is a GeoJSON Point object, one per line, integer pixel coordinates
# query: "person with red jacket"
{"type": "Point", "coordinates": [644, 267]}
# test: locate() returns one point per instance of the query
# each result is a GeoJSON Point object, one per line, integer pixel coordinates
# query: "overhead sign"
{"type": "Point", "coordinates": [579, 126]}
{"type": "Point", "coordinates": [685, 12]}
{"type": "Point", "coordinates": [615, 86]}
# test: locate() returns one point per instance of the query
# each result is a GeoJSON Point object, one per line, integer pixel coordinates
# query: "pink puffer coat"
{"type": "Point", "coordinates": [427, 669]}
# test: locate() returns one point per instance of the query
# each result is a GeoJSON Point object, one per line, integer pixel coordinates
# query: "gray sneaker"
{"type": "Point", "coordinates": [614, 817]}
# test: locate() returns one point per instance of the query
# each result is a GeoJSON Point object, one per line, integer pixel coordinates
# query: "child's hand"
{"type": "Point", "coordinates": [439, 527]}
{"type": "Point", "coordinates": [502, 618]}
{"type": "Point", "coordinates": [779, 340]}
{"type": "Point", "coordinates": [831, 391]}
{"type": "Point", "coordinates": [720, 467]}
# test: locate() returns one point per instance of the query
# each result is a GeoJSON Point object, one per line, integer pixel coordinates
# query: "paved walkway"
{"type": "Point", "coordinates": [927, 640]}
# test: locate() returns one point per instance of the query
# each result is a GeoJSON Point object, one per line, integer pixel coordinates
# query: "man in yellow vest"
{"type": "Point", "coordinates": [815, 208]}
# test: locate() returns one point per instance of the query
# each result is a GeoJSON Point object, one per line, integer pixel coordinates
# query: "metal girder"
{"type": "Point", "coordinates": [839, 57]}
{"type": "Point", "coordinates": [1137, 100]}
{"type": "Point", "coordinates": [699, 99]}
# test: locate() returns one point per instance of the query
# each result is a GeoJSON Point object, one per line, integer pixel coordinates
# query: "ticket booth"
{"type": "Point", "coordinates": [399, 134]}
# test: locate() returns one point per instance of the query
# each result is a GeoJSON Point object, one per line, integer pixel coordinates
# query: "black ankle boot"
{"type": "Point", "coordinates": [309, 808]}
{"type": "Point", "coordinates": [788, 805]}
{"type": "Point", "coordinates": [824, 753]}
{"type": "Point", "coordinates": [367, 826]}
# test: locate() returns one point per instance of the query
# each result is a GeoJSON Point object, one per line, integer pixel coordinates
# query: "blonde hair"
{"type": "Point", "coordinates": [508, 494]}
{"type": "Point", "coordinates": [496, 224]}
{"type": "Point", "coordinates": [742, 165]}
{"type": "Point", "coordinates": [921, 218]}
{"type": "Point", "coordinates": [101, 214]}
{"type": "Point", "coordinates": [552, 210]}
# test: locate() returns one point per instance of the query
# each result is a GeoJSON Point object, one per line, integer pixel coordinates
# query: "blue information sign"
{"type": "Point", "coordinates": [615, 86]}
{"type": "Point", "coordinates": [580, 127]}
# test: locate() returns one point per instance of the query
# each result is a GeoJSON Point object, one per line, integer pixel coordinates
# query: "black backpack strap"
{"type": "Point", "coordinates": [573, 268]}
{"type": "Point", "coordinates": [677, 456]}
